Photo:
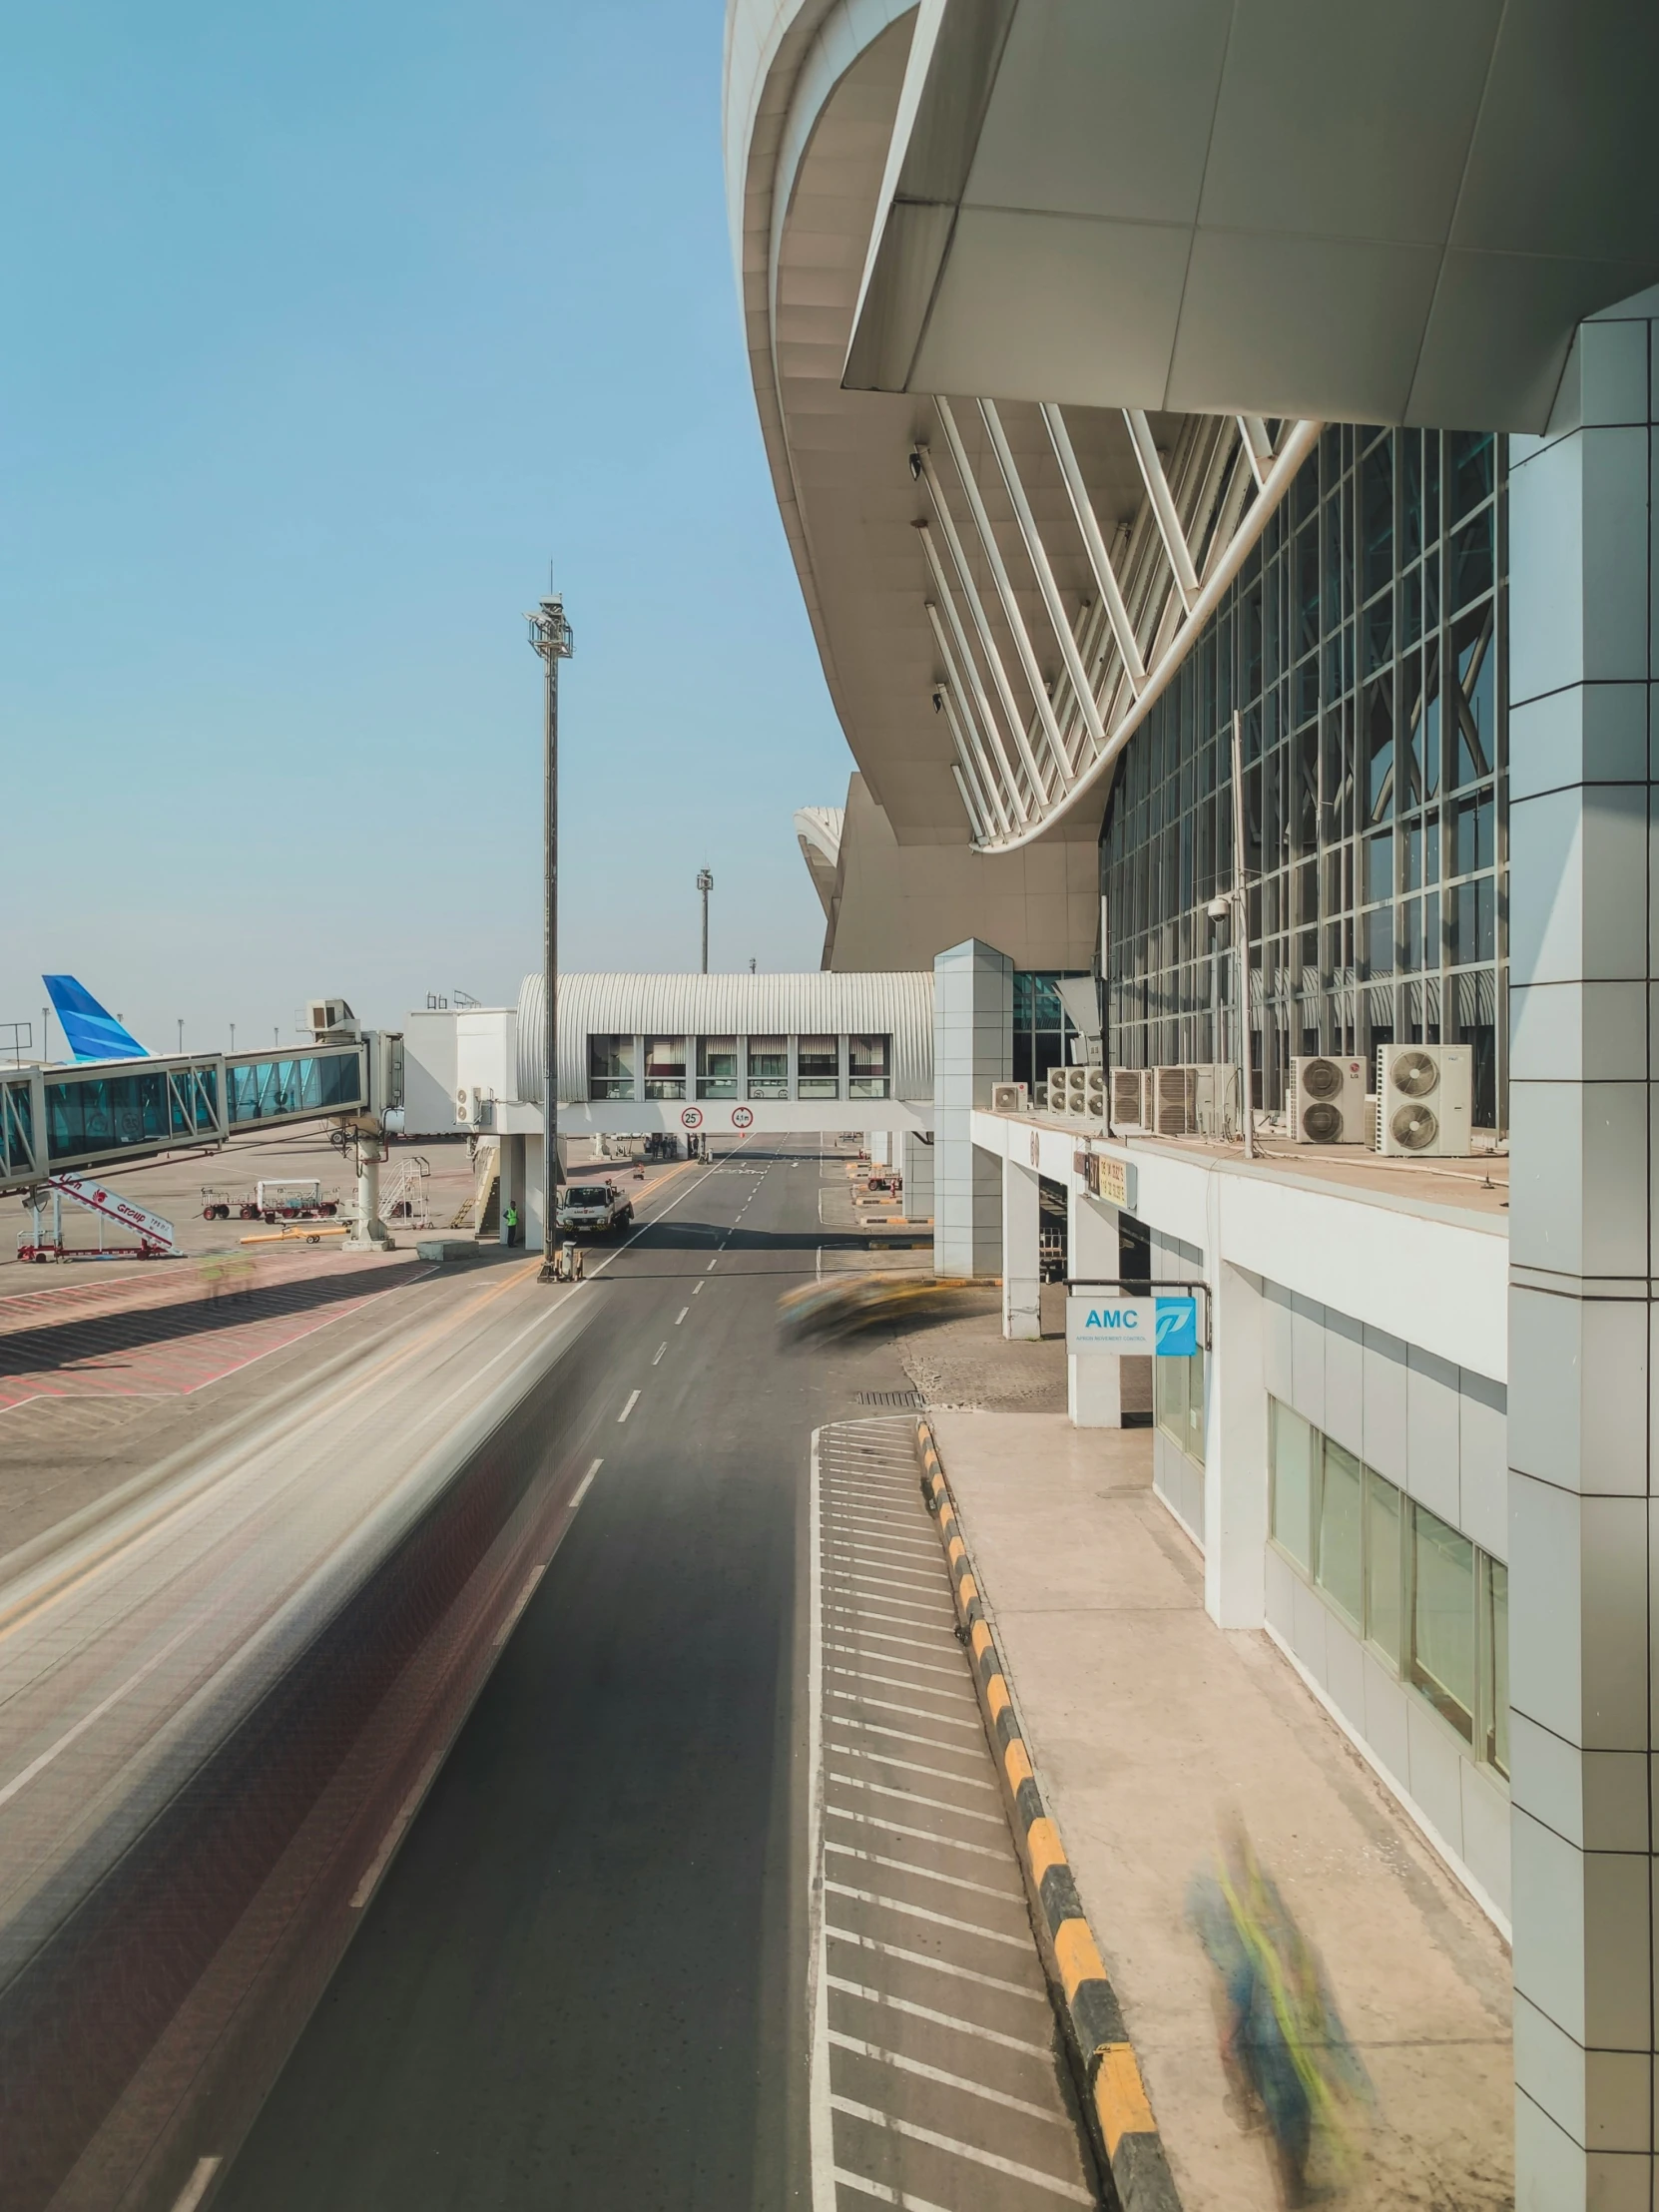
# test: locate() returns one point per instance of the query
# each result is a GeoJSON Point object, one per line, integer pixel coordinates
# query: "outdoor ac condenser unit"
{"type": "Point", "coordinates": [1219, 1117]}
{"type": "Point", "coordinates": [1326, 1102]}
{"type": "Point", "coordinates": [1131, 1114]}
{"type": "Point", "coordinates": [1175, 1101]}
{"type": "Point", "coordinates": [1011, 1098]}
{"type": "Point", "coordinates": [1425, 1095]}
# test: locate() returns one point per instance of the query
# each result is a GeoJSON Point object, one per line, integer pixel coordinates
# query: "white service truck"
{"type": "Point", "coordinates": [597, 1207]}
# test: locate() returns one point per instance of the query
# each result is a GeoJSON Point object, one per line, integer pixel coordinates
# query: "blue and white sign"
{"type": "Point", "coordinates": [1162, 1327]}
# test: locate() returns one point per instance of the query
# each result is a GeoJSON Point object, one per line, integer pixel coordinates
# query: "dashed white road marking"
{"type": "Point", "coordinates": [939, 1965]}
{"type": "Point", "coordinates": [521, 1601]}
{"type": "Point", "coordinates": [948, 2080]}
{"type": "Point", "coordinates": [660, 1349]}
{"type": "Point", "coordinates": [582, 1486]}
{"type": "Point", "coordinates": [633, 1401]}
{"type": "Point", "coordinates": [394, 1833]}
{"type": "Point", "coordinates": [681, 1314]}
{"type": "Point", "coordinates": [196, 2188]}
{"type": "Point", "coordinates": [1033, 2174]}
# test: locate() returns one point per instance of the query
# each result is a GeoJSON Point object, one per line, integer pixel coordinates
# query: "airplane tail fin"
{"type": "Point", "coordinates": [91, 1031]}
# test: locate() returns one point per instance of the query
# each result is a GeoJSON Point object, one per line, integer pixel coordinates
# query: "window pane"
{"type": "Point", "coordinates": [1195, 1404]}
{"type": "Point", "coordinates": [769, 1067]}
{"type": "Point", "coordinates": [1494, 1656]}
{"type": "Point", "coordinates": [1337, 1568]}
{"type": "Point", "coordinates": [610, 1067]}
{"type": "Point", "coordinates": [664, 1067]}
{"type": "Point", "coordinates": [1169, 1398]}
{"type": "Point", "coordinates": [818, 1068]}
{"type": "Point", "coordinates": [1442, 1619]}
{"type": "Point", "coordinates": [868, 1066]}
{"type": "Point", "coordinates": [717, 1067]}
{"type": "Point", "coordinates": [1382, 1564]}
{"type": "Point", "coordinates": [1292, 1488]}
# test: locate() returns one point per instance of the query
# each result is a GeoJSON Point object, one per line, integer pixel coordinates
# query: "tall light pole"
{"type": "Point", "coordinates": [705, 883]}
{"type": "Point", "coordinates": [550, 636]}
{"type": "Point", "coordinates": [1240, 925]}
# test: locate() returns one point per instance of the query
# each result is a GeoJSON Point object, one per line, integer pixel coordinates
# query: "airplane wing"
{"type": "Point", "coordinates": [92, 1032]}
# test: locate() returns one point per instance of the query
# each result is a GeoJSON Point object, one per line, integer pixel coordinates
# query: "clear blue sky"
{"type": "Point", "coordinates": [325, 327]}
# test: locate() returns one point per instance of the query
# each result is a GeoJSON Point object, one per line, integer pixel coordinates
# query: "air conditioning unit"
{"type": "Point", "coordinates": [1218, 1116]}
{"type": "Point", "coordinates": [1011, 1098]}
{"type": "Point", "coordinates": [1078, 1092]}
{"type": "Point", "coordinates": [1175, 1101]}
{"type": "Point", "coordinates": [1326, 1102]}
{"type": "Point", "coordinates": [463, 1107]}
{"type": "Point", "coordinates": [1131, 1114]}
{"type": "Point", "coordinates": [1425, 1095]}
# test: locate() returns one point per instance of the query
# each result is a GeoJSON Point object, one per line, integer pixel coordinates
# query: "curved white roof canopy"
{"type": "Point", "coordinates": [1152, 245]}
{"type": "Point", "coordinates": [999, 591]}
{"type": "Point", "coordinates": [1315, 208]}
{"type": "Point", "coordinates": [817, 832]}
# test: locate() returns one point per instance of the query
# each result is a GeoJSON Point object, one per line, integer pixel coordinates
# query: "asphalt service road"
{"type": "Point", "coordinates": [581, 1972]}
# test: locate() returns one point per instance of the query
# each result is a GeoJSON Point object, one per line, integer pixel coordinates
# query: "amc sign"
{"type": "Point", "coordinates": [1165, 1328]}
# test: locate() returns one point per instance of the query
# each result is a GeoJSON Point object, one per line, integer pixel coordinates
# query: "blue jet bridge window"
{"type": "Point", "coordinates": [304, 1083]}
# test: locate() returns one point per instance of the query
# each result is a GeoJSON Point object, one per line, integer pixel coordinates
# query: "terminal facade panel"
{"type": "Point", "coordinates": [1408, 282]}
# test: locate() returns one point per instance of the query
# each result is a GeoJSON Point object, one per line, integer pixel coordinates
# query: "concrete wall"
{"type": "Point", "coordinates": [1439, 1433]}
{"type": "Point", "coordinates": [1275, 1247]}
{"type": "Point", "coordinates": [898, 907]}
{"type": "Point", "coordinates": [1584, 624]}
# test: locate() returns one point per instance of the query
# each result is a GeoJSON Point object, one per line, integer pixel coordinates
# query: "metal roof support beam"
{"type": "Point", "coordinates": [979, 809]}
{"type": "Point", "coordinates": [1037, 553]}
{"type": "Point", "coordinates": [969, 807]}
{"type": "Point", "coordinates": [1301, 439]}
{"type": "Point", "coordinates": [1258, 447]}
{"type": "Point", "coordinates": [960, 664]}
{"type": "Point", "coordinates": [1163, 506]}
{"type": "Point", "coordinates": [981, 623]}
{"type": "Point", "coordinates": [1088, 524]}
{"type": "Point", "coordinates": [1005, 591]}
{"type": "Point", "coordinates": [976, 607]}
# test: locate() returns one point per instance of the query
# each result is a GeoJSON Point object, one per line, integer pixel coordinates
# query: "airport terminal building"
{"type": "Point", "coordinates": [1216, 449]}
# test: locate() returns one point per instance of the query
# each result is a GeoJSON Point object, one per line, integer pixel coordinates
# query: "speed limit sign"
{"type": "Point", "coordinates": [743, 1117]}
{"type": "Point", "coordinates": [693, 1117]}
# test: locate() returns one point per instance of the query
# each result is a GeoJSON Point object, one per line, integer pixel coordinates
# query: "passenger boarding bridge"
{"type": "Point", "coordinates": [63, 1127]}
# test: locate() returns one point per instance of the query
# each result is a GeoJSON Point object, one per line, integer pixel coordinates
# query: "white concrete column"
{"type": "Point", "coordinates": [512, 1185]}
{"type": "Point", "coordinates": [1021, 1261]}
{"type": "Point", "coordinates": [1585, 1055]}
{"type": "Point", "coordinates": [918, 1161]}
{"type": "Point", "coordinates": [1095, 1380]}
{"type": "Point", "coordinates": [973, 1047]}
{"type": "Point", "coordinates": [530, 1205]}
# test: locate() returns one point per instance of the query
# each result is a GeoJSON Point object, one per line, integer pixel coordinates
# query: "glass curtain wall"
{"type": "Point", "coordinates": [1042, 1028]}
{"type": "Point", "coordinates": [1365, 646]}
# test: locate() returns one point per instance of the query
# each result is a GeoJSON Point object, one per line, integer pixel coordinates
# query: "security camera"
{"type": "Point", "coordinates": [939, 701]}
{"type": "Point", "coordinates": [1217, 910]}
{"type": "Point", "coordinates": [915, 464]}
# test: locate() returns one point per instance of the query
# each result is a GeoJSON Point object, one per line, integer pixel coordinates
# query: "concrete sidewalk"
{"type": "Point", "coordinates": [1146, 1723]}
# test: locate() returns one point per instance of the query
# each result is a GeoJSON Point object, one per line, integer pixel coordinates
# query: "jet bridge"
{"type": "Point", "coordinates": [54, 1119]}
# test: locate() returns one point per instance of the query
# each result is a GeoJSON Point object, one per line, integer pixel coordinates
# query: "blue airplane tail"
{"type": "Point", "coordinates": [90, 1032]}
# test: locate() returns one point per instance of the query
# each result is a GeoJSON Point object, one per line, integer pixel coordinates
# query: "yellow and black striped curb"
{"type": "Point", "coordinates": [1120, 2114]}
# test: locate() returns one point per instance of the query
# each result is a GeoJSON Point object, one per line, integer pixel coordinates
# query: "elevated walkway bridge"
{"type": "Point", "coordinates": [68, 1120]}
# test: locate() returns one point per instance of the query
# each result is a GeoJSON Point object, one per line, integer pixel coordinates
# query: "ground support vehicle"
{"type": "Point", "coordinates": [286, 1198]}
{"type": "Point", "coordinates": [599, 1208]}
